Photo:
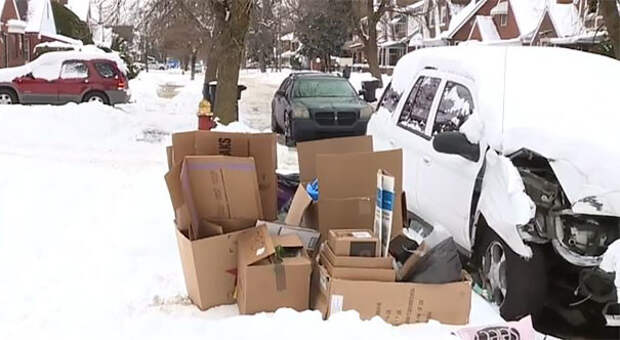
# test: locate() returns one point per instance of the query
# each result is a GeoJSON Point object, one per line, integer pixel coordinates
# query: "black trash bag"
{"type": "Point", "coordinates": [440, 265]}
{"type": "Point", "coordinates": [287, 185]}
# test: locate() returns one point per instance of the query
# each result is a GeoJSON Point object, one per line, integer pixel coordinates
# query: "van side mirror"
{"type": "Point", "coordinates": [456, 143]}
{"type": "Point", "coordinates": [361, 93]}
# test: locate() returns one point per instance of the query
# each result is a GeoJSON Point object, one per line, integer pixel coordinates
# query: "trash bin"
{"type": "Point", "coordinates": [209, 90]}
{"type": "Point", "coordinates": [346, 72]}
{"type": "Point", "coordinates": [369, 87]}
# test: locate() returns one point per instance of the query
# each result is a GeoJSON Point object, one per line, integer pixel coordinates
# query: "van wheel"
{"type": "Point", "coordinates": [8, 97]}
{"type": "Point", "coordinates": [516, 285]}
{"type": "Point", "coordinates": [289, 139]}
{"type": "Point", "coordinates": [96, 97]}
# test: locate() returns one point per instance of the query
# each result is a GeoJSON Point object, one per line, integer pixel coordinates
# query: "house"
{"type": "Point", "coordinates": [23, 25]}
{"type": "Point", "coordinates": [522, 22]}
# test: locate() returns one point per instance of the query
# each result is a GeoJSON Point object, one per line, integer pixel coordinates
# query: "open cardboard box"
{"type": "Point", "coordinates": [214, 197]}
{"type": "Point", "coordinates": [346, 169]}
{"type": "Point", "coordinates": [353, 273]}
{"type": "Point", "coordinates": [259, 146]}
{"type": "Point", "coordinates": [395, 302]}
{"type": "Point", "coordinates": [274, 272]}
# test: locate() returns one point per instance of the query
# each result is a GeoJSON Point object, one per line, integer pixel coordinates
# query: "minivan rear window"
{"type": "Point", "coordinates": [105, 70]}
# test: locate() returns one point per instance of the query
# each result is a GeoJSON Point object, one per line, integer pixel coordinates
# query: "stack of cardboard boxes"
{"type": "Point", "coordinates": [223, 191]}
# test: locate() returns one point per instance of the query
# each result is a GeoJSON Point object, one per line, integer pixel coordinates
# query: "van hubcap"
{"type": "Point", "coordinates": [494, 272]}
{"type": "Point", "coordinates": [5, 99]}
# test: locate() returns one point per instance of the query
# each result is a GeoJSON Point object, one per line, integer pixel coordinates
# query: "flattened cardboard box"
{"type": "Point", "coordinates": [354, 242]}
{"type": "Point", "coordinates": [346, 195]}
{"type": "Point", "coordinates": [209, 268]}
{"type": "Point", "coordinates": [395, 302]}
{"type": "Point", "coordinates": [260, 146]}
{"type": "Point", "coordinates": [265, 284]}
{"type": "Point", "coordinates": [363, 274]}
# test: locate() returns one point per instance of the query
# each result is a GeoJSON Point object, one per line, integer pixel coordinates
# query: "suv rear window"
{"type": "Point", "coordinates": [105, 70]}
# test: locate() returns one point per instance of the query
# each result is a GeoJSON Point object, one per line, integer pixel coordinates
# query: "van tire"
{"type": "Point", "coordinates": [525, 280]}
{"type": "Point", "coordinates": [12, 96]}
{"type": "Point", "coordinates": [96, 96]}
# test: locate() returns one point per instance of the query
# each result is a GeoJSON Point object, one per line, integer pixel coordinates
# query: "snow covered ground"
{"type": "Point", "coordinates": [87, 246]}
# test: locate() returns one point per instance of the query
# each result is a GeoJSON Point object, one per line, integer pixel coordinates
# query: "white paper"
{"type": "Point", "coordinates": [361, 234]}
{"type": "Point", "coordinates": [335, 305]}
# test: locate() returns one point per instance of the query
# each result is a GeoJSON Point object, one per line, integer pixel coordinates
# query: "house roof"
{"type": "Point", "coordinates": [4, 2]}
{"type": "Point", "coordinates": [488, 30]}
{"type": "Point", "coordinates": [527, 14]}
{"type": "Point", "coordinates": [40, 17]}
{"type": "Point", "coordinates": [463, 16]}
{"type": "Point", "coordinates": [500, 9]}
{"type": "Point", "coordinates": [565, 18]}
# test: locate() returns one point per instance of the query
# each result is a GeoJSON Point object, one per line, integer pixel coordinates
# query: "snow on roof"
{"type": "Point", "coordinates": [500, 9]}
{"type": "Point", "coordinates": [488, 30]}
{"type": "Point", "coordinates": [1, 6]}
{"type": "Point", "coordinates": [40, 17]}
{"type": "Point", "coordinates": [527, 14]}
{"type": "Point", "coordinates": [565, 18]}
{"type": "Point", "coordinates": [578, 108]}
{"type": "Point", "coordinates": [462, 17]}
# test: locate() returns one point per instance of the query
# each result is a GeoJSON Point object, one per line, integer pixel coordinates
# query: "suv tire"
{"type": "Point", "coordinates": [99, 97]}
{"type": "Point", "coordinates": [517, 285]}
{"type": "Point", "coordinates": [8, 97]}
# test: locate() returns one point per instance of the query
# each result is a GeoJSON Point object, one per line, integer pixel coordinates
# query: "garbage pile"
{"type": "Point", "coordinates": [340, 247]}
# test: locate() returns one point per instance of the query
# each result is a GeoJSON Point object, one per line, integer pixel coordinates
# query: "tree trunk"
{"type": "Point", "coordinates": [609, 10]}
{"type": "Point", "coordinates": [193, 65]}
{"type": "Point", "coordinates": [261, 62]}
{"type": "Point", "coordinates": [371, 44]}
{"type": "Point", "coordinates": [232, 44]}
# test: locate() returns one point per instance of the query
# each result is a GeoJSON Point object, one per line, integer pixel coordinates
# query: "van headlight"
{"type": "Point", "coordinates": [366, 112]}
{"type": "Point", "coordinates": [300, 111]}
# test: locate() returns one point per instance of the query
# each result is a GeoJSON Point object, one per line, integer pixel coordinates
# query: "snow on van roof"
{"type": "Point", "coordinates": [47, 66]}
{"type": "Point", "coordinates": [542, 99]}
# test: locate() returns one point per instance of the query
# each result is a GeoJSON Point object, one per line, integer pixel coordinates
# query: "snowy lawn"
{"type": "Point", "coordinates": [87, 245]}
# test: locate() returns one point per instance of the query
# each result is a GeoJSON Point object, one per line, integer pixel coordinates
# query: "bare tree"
{"type": "Point", "coordinates": [611, 16]}
{"type": "Point", "coordinates": [366, 15]}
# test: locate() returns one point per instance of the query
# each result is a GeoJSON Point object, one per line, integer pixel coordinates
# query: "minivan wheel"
{"type": "Point", "coordinates": [516, 285]}
{"type": "Point", "coordinates": [289, 139]}
{"type": "Point", "coordinates": [96, 97]}
{"type": "Point", "coordinates": [8, 97]}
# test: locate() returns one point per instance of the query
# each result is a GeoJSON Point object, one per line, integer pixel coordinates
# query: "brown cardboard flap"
{"type": "Point", "coordinates": [287, 241]}
{"type": "Point", "coordinates": [348, 213]}
{"type": "Point", "coordinates": [355, 175]}
{"type": "Point", "coordinates": [173, 181]}
{"type": "Point", "coordinates": [182, 145]}
{"type": "Point", "coordinates": [299, 204]}
{"type": "Point", "coordinates": [254, 245]}
{"type": "Point", "coordinates": [219, 187]}
{"type": "Point", "coordinates": [222, 143]}
{"type": "Point", "coordinates": [307, 152]}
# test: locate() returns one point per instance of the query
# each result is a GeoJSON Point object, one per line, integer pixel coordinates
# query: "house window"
{"type": "Point", "coordinates": [27, 48]}
{"type": "Point", "coordinates": [503, 19]}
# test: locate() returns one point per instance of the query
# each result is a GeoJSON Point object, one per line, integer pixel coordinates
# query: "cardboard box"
{"type": "Point", "coordinates": [268, 281]}
{"type": "Point", "coordinates": [260, 146]}
{"type": "Point", "coordinates": [309, 237]}
{"type": "Point", "coordinates": [221, 190]}
{"type": "Point", "coordinates": [356, 261]}
{"type": "Point", "coordinates": [350, 273]}
{"type": "Point", "coordinates": [347, 172]}
{"type": "Point", "coordinates": [395, 302]}
{"type": "Point", "coordinates": [354, 242]}
{"type": "Point", "coordinates": [209, 268]}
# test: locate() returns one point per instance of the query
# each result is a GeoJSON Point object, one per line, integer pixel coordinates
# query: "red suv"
{"type": "Point", "coordinates": [62, 77]}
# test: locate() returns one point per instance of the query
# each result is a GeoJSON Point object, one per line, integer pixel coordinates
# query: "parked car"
{"type": "Point", "coordinates": [312, 105]}
{"type": "Point", "coordinates": [513, 151]}
{"type": "Point", "coordinates": [62, 77]}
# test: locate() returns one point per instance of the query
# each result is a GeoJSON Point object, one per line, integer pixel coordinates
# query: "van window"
{"type": "Point", "coordinates": [390, 99]}
{"type": "Point", "coordinates": [455, 107]}
{"type": "Point", "coordinates": [418, 105]}
{"type": "Point", "coordinates": [105, 70]}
